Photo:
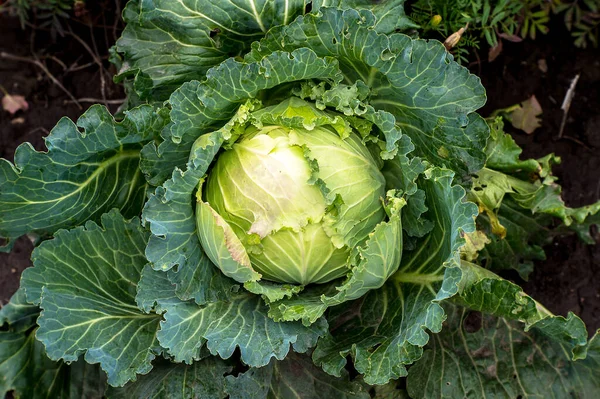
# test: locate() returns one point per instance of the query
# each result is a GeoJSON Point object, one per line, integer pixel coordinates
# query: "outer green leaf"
{"type": "Point", "coordinates": [503, 154]}
{"type": "Point", "coordinates": [77, 380]}
{"type": "Point", "coordinates": [525, 236]}
{"type": "Point", "coordinates": [385, 330]}
{"type": "Point", "coordinates": [390, 13]}
{"type": "Point", "coordinates": [529, 183]}
{"type": "Point", "coordinates": [132, 99]}
{"type": "Point", "coordinates": [18, 314]}
{"type": "Point", "coordinates": [174, 240]}
{"type": "Point", "coordinates": [202, 379]}
{"type": "Point", "coordinates": [294, 377]}
{"type": "Point", "coordinates": [167, 43]}
{"type": "Point", "coordinates": [30, 374]}
{"type": "Point", "coordinates": [201, 281]}
{"type": "Point", "coordinates": [518, 200]}
{"type": "Point", "coordinates": [83, 174]}
{"type": "Point", "coordinates": [85, 282]}
{"type": "Point", "coordinates": [482, 290]}
{"type": "Point", "coordinates": [401, 173]}
{"type": "Point", "coordinates": [253, 384]}
{"type": "Point", "coordinates": [501, 360]}
{"type": "Point", "coordinates": [432, 97]}
{"type": "Point", "coordinates": [25, 368]}
{"type": "Point", "coordinates": [540, 196]}
{"type": "Point", "coordinates": [377, 260]}
{"type": "Point", "coordinates": [272, 292]}
{"type": "Point", "coordinates": [390, 390]}
{"type": "Point", "coordinates": [155, 291]}
{"type": "Point", "coordinates": [242, 322]}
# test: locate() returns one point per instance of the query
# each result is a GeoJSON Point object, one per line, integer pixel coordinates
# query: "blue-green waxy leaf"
{"type": "Point", "coordinates": [167, 380]}
{"type": "Point", "coordinates": [189, 331]}
{"type": "Point", "coordinates": [241, 322]}
{"type": "Point", "coordinates": [174, 240]}
{"type": "Point", "coordinates": [401, 173]}
{"type": "Point", "coordinates": [386, 329]}
{"type": "Point", "coordinates": [155, 292]}
{"type": "Point", "coordinates": [501, 360]}
{"type": "Point", "coordinates": [542, 357]}
{"type": "Point", "coordinates": [83, 174]}
{"type": "Point", "coordinates": [294, 377]}
{"type": "Point", "coordinates": [167, 43]}
{"type": "Point", "coordinates": [18, 314]}
{"type": "Point", "coordinates": [390, 13]}
{"type": "Point", "coordinates": [432, 97]}
{"type": "Point", "coordinates": [525, 236]}
{"type": "Point", "coordinates": [85, 282]}
{"type": "Point", "coordinates": [25, 368]}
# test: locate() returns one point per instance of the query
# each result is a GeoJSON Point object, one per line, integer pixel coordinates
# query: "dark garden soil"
{"type": "Point", "coordinates": [569, 280]}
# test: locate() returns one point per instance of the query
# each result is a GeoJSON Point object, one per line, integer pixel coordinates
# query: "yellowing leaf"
{"type": "Point", "coordinates": [525, 117]}
{"type": "Point", "coordinates": [454, 38]}
{"type": "Point", "coordinates": [12, 104]}
{"type": "Point", "coordinates": [474, 242]}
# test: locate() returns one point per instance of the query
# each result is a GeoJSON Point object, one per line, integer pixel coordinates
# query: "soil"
{"type": "Point", "coordinates": [567, 280]}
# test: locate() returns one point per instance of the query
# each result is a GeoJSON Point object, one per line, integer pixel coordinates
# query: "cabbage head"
{"type": "Point", "coordinates": [291, 203]}
{"type": "Point", "coordinates": [297, 201]}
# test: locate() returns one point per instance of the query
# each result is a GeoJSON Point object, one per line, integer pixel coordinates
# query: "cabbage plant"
{"type": "Point", "coordinates": [290, 194]}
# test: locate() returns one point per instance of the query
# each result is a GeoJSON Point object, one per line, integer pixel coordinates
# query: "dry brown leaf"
{"type": "Point", "coordinates": [454, 38]}
{"type": "Point", "coordinates": [15, 103]}
{"type": "Point", "coordinates": [495, 51]}
{"type": "Point", "coordinates": [525, 117]}
{"type": "Point", "coordinates": [511, 38]}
